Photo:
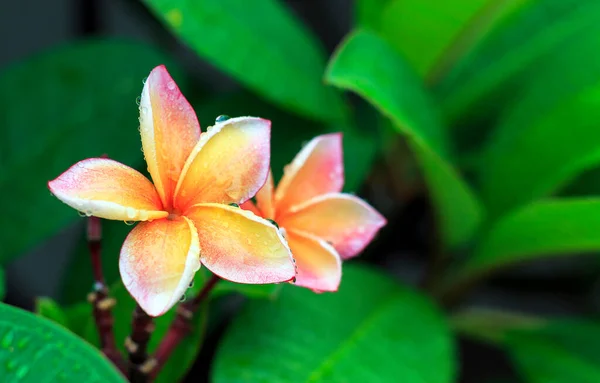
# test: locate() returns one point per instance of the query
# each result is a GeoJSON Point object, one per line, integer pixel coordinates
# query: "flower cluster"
{"type": "Point", "coordinates": [190, 213]}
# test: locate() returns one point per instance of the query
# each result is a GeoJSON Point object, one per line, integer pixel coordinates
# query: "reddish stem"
{"type": "Point", "coordinates": [181, 325]}
{"type": "Point", "coordinates": [101, 302]}
{"type": "Point", "coordinates": [137, 346]}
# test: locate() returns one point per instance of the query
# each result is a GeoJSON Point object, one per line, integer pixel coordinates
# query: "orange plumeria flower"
{"type": "Point", "coordinates": [322, 225]}
{"type": "Point", "coordinates": [187, 219]}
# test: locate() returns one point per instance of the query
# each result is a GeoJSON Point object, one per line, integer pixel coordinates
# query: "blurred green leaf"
{"type": "Point", "coordinates": [261, 45]}
{"type": "Point", "coordinates": [184, 355]}
{"type": "Point", "coordinates": [367, 65]}
{"type": "Point", "coordinates": [58, 108]}
{"type": "Point", "coordinates": [563, 351]}
{"type": "Point", "coordinates": [510, 55]}
{"type": "Point", "coordinates": [491, 325]}
{"type": "Point", "coordinates": [550, 134]}
{"type": "Point", "coordinates": [2, 284]}
{"type": "Point", "coordinates": [547, 228]}
{"type": "Point", "coordinates": [367, 13]}
{"type": "Point", "coordinates": [49, 309]}
{"type": "Point", "coordinates": [371, 330]}
{"type": "Point", "coordinates": [33, 349]}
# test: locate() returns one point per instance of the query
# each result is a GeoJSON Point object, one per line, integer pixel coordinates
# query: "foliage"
{"type": "Point", "coordinates": [497, 100]}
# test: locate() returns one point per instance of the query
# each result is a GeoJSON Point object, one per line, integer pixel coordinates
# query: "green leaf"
{"type": "Point", "coordinates": [423, 30]}
{"type": "Point", "coordinates": [184, 355]}
{"type": "Point", "coordinates": [2, 284]}
{"type": "Point", "coordinates": [49, 309]}
{"type": "Point", "coordinates": [563, 351]}
{"type": "Point", "coordinates": [559, 227]}
{"type": "Point", "coordinates": [558, 109]}
{"type": "Point", "coordinates": [490, 74]}
{"type": "Point", "coordinates": [262, 46]}
{"type": "Point", "coordinates": [58, 108]}
{"type": "Point", "coordinates": [33, 349]}
{"type": "Point", "coordinates": [372, 330]}
{"type": "Point", "coordinates": [367, 13]}
{"type": "Point", "coordinates": [368, 66]}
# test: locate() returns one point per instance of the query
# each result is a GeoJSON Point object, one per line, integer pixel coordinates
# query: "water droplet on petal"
{"type": "Point", "coordinates": [131, 212]}
{"type": "Point", "coordinates": [137, 100]}
{"type": "Point", "coordinates": [222, 118]}
{"type": "Point", "coordinates": [144, 110]}
{"type": "Point", "coordinates": [129, 223]}
{"type": "Point", "coordinates": [171, 85]}
{"type": "Point", "coordinates": [273, 222]}
{"type": "Point", "coordinates": [182, 299]}
{"type": "Point", "coordinates": [234, 204]}
{"type": "Point", "coordinates": [191, 284]}
{"type": "Point", "coordinates": [81, 214]}
{"type": "Point", "coordinates": [293, 280]}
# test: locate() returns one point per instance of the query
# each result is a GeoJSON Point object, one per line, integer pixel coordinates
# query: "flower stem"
{"type": "Point", "coordinates": [181, 325]}
{"type": "Point", "coordinates": [137, 346]}
{"type": "Point", "coordinates": [101, 302]}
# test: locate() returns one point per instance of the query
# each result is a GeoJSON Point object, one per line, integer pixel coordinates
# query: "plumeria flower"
{"type": "Point", "coordinates": [190, 214]}
{"type": "Point", "coordinates": [322, 225]}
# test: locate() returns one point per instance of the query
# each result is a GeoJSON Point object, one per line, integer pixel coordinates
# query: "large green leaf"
{"type": "Point", "coordinates": [563, 351]}
{"type": "Point", "coordinates": [368, 66]}
{"type": "Point", "coordinates": [559, 227]}
{"type": "Point", "coordinates": [56, 109]}
{"type": "Point", "coordinates": [367, 13]}
{"type": "Point", "coordinates": [33, 349]}
{"type": "Point", "coordinates": [550, 133]}
{"type": "Point", "coordinates": [261, 45]}
{"type": "Point", "coordinates": [511, 54]}
{"type": "Point", "coordinates": [183, 356]}
{"type": "Point", "coordinates": [371, 330]}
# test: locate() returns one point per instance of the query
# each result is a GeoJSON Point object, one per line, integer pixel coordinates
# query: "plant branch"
{"type": "Point", "coordinates": [101, 302]}
{"type": "Point", "coordinates": [137, 346]}
{"type": "Point", "coordinates": [181, 325]}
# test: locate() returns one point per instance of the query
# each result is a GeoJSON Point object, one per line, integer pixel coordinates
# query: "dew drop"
{"type": "Point", "coordinates": [182, 299]}
{"type": "Point", "coordinates": [273, 222]}
{"type": "Point", "coordinates": [234, 204]}
{"type": "Point", "coordinates": [293, 280]}
{"type": "Point", "coordinates": [191, 284]}
{"type": "Point", "coordinates": [171, 85]}
{"type": "Point", "coordinates": [129, 223]}
{"type": "Point", "coordinates": [81, 214]}
{"type": "Point", "coordinates": [144, 110]}
{"type": "Point", "coordinates": [137, 100]}
{"type": "Point", "coordinates": [222, 118]}
{"type": "Point", "coordinates": [131, 212]}
{"type": "Point", "coordinates": [144, 80]}
{"type": "Point", "coordinates": [88, 213]}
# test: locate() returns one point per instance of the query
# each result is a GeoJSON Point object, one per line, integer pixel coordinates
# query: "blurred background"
{"type": "Point", "coordinates": [500, 96]}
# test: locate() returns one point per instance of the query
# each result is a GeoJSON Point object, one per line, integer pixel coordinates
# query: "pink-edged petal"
{"type": "Point", "coordinates": [240, 246]}
{"type": "Point", "coordinates": [169, 129]}
{"type": "Point", "coordinates": [250, 206]}
{"type": "Point", "coordinates": [345, 221]}
{"type": "Point", "coordinates": [264, 198]}
{"type": "Point", "coordinates": [317, 169]}
{"type": "Point", "coordinates": [158, 262]}
{"type": "Point", "coordinates": [228, 165]}
{"type": "Point", "coordinates": [318, 263]}
{"type": "Point", "coordinates": [108, 189]}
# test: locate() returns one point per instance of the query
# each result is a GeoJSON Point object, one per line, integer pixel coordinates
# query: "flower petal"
{"type": "Point", "coordinates": [264, 198]}
{"type": "Point", "coordinates": [319, 265]}
{"type": "Point", "coordinates": [169, 129]}
{"type": "Point", "coordinates": [108, 189]}
{"type": "Point", "coordinates": [240, 246]}
{"type": "Point", "coordinates": [158, 261]}
{"type": "Point", "coordinates": [250, 206]}
{"type": "Point", "coordinates": [345, 221]}
{"type": "Point", "coordinates": [229, 163]}
{"type": "Point", "coordinates": [317, 169]}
